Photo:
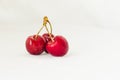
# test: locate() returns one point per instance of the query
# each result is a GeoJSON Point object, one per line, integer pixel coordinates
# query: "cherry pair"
{"type": "Point", "coordinates": [55, 45]}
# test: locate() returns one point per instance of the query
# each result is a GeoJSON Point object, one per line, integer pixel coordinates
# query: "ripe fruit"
{"type": "Point", "coordinates": [46, 37]}
{"type": "Point", "coordinates": [35, 44]}
{"type": "Point", "coordinates": [58, 47]}
{"type": "Point", "coordinates": [55, 45]}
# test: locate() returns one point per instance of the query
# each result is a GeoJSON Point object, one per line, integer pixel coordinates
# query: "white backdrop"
{"type": "Point", "coordinates": [91, 27]}
{"type": "Point", "coordinates": [81, 12]}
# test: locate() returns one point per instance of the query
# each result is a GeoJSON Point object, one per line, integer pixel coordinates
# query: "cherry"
{"type": "Point", "coordinates": [35, 44]}
{"type": "Point", "coordinates": [46, 37]}
{"type": "Point", "coordinates": [55, 45]}
{"type": "Point", "coordinates": [58, 46]}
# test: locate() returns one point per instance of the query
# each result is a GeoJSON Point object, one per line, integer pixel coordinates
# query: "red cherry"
{"type": "Point", "coordinates": [35, 44]}
{"type": "Point", "coordinates": [47, 38]}
{"type": "Point", "coordinates": [58, 47]}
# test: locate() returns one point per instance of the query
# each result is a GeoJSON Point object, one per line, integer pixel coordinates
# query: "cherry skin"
{"type": "Point", "coordinates": [35, 44]}
{"type": "Point", "coordinates": [59, 47]}
{"type": "Point", "coordinates": [47, 38]}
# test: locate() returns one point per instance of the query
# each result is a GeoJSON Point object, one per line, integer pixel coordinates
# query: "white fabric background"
{"type": "Point", "coordinates": [91, 27]}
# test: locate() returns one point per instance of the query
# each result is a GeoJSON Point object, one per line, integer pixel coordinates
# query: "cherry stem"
{"type": "Point", "coordinates": [50, 27]}
{"type": "Point", "coordinates": [39, 31]}
{"type": "Point", "coordinates": [44, 23]}
{"type": "Point", "coordinates": [50, 34]}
